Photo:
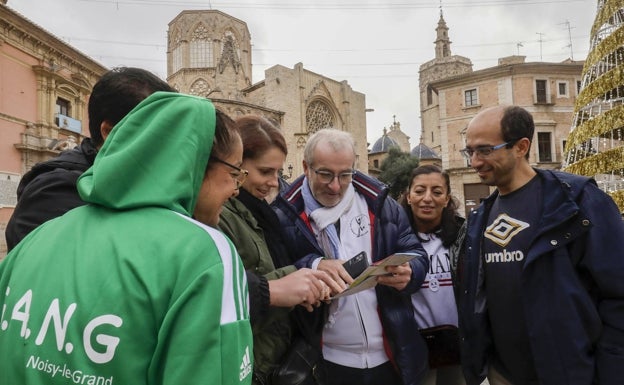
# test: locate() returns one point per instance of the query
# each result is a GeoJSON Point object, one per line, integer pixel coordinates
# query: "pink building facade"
{"type": "Point", "coordinates": [44, 90]}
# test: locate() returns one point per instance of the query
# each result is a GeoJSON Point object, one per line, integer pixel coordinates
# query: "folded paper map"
{"type": "Point", "coordinates": [368, 278]}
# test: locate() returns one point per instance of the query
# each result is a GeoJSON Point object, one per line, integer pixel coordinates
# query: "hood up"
{"type": "Point", "coordinates": [155, 157]}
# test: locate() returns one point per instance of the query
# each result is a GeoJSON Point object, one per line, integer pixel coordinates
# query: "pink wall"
{"type": "Point", "coordinates": [18, 84]}
{"type": "Point", "coordinates": [18, 103]}
{"type": "Point", "coordinates": [10, 157]}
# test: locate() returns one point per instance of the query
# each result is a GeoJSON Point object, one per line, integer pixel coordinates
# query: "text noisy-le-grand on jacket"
{"type": "Point", "coordinates": [48, 191]}
{"type": "Point", "coordinates": [391, 233]}
{"type": "Point", "coordinates": [129, 289]}
{"type": "Point", "coordinates": [272, 331]}
{"type": "Point", "coordinates": [572, 287]}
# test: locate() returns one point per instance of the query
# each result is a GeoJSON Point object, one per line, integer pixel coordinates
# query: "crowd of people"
{"type": "Point", "coordinates": [166, 249]}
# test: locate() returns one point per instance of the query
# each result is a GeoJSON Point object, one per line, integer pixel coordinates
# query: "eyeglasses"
{"type": "Point", "coordinates": [328, 177]}
{"type": "Point", "coordinates": [484, 151]}
{"type": "Point", "coordinates": [239, 174]}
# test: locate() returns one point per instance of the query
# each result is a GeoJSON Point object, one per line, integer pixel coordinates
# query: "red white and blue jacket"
{"type": "Point", "coordinates": [391, 233]}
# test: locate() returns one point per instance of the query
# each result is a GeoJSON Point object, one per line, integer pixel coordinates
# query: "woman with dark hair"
{"type": "Point", "coordinates": [254, 229]}
{"type": "Point", "coordinates": [432, 212]}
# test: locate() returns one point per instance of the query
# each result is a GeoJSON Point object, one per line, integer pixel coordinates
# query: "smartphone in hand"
{"type": "Point", "coordinates": [356, 265]}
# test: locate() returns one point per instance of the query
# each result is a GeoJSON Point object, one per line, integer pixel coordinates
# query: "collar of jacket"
{"type": "Point", "coordinates": [560, 202]}
{"type": "Point", "coordinates": [237, 207]}
{"type": "Point", "coordinates": [373, 191]}
{"type": "Point", "coordinates": [563, 192]}
{"type": "Point", "coordinates": [559, 206]}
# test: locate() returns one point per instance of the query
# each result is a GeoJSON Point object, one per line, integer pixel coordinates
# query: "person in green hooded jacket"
{"type": "Point", "coordinates": [130, 289]}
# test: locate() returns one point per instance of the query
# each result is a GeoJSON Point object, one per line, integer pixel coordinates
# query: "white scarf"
{"type": "Point", "coordinates": [323, 219]}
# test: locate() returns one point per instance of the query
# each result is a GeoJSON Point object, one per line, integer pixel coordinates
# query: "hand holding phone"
{"type": "Point", "coordinates": [356, 265]}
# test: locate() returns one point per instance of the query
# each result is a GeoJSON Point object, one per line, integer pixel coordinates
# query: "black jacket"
{"type": "Point", "coordinates": [48, 191]}
{"type": "Point", "coordinates": [572, 287]}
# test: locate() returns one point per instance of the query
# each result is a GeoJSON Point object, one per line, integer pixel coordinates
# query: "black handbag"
{"type": "Point", "coordinates": [302, 365]}
{"type": "Point", "coordinates": [443, 344]}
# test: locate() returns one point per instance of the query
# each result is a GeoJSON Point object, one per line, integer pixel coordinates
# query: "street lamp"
{"type": "Point", "coordinates": [290, 170]}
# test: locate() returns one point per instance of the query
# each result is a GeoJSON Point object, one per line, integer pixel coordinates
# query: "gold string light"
{"type": "Point", "coordinates": [605, 13]}
{"type": "Point", "coordinates": [598, 126]}
{"type": "Point", "coordinates": [595, 146]}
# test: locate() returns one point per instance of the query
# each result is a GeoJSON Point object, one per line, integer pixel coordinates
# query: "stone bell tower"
{"type": "Point", "coordinates": [209, 54]}
{"type": "Point", "coordinates": [444, 65]}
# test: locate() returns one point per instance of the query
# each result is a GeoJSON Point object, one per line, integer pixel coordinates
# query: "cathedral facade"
{"type": "Point", "coordinates": [209, 55]}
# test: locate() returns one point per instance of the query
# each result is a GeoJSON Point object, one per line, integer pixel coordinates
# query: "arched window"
{"type": "Point", "coordinates": [201, 48]}
{"type": "Point", "coordinates": [68, 113]}
{"type": "Point", "coordinates": [318, 116]}
{"type": "Point", "coordinates": [177, 53]}
{"type": "Point", "coordinates": [62, 106]}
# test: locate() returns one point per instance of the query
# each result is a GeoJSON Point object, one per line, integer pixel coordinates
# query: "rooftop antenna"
{"type": "Point", "coordinates": [541, 40]}
{"type": "Point", "coordinates": [518, 45]}
{"type": "Point", "coordinates": [567, 24]}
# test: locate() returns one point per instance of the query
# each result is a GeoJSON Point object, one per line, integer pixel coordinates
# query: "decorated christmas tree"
{"type": "Point", "coordinates": [595, 146]}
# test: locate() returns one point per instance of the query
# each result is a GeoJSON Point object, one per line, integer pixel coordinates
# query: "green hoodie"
{"type": "Point", "coordinates": [129, 289]}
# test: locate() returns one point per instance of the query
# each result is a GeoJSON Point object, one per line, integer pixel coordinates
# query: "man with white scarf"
{"type": "Point", "coordinates": [328, 215]}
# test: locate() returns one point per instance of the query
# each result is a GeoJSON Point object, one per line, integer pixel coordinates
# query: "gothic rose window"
{"type": "Point", "coordinates": [318, 116]}
{"type": "Point", "coordinates": [199, 88]}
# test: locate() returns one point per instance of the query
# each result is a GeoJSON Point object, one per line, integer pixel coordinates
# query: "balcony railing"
{"type": "Point", "coordinates": [68, 123]}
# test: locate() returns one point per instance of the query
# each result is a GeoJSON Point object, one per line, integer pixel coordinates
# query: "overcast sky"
{"type": "Point", "coordinates": [375, 45]}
